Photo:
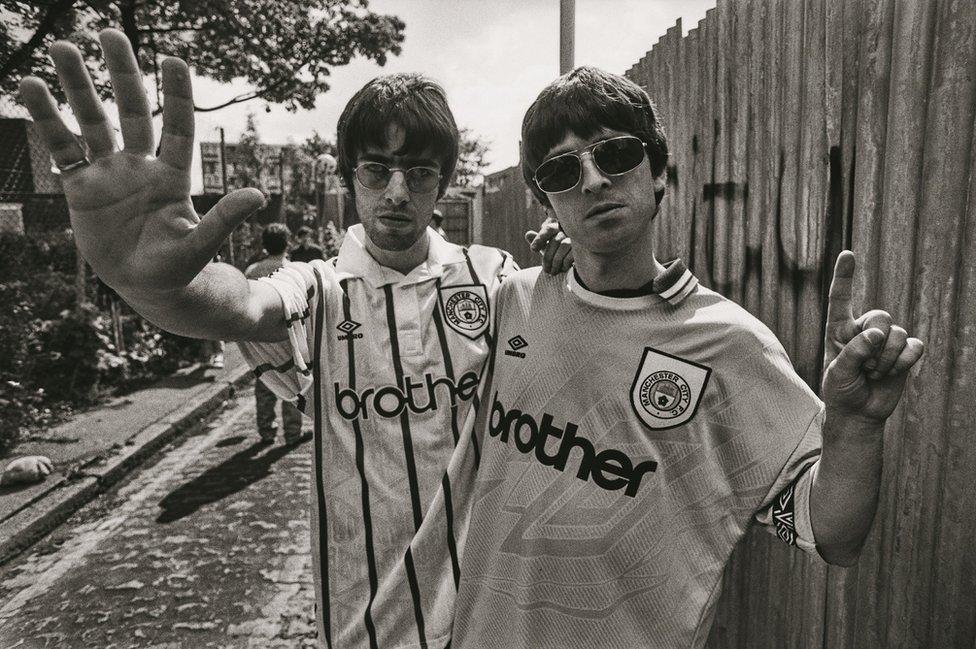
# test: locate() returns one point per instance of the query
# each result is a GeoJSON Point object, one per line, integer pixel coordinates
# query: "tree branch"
{"type": "Point", "coordinates": [166, 30]}
{"type": "Point", "coordinates": [239, 99]}
{"type": "Point", "coordinates": [127, 14]}
{"type": "Point", "coordinates": [23, 53]}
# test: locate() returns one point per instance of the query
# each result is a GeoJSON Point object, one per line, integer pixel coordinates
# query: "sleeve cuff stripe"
{"type": "Point", "coordinates": [287, 366]}
{"type": "Point", "coordinates": [298, 317]}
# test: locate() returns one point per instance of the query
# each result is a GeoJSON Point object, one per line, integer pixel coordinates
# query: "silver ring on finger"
{"type": "Point", "coordinates": [71, 166]}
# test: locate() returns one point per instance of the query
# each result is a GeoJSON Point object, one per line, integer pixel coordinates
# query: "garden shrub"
{"type": "Point", "coordinates": [55, 356]}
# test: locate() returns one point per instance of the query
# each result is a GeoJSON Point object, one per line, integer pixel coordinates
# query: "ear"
{"type": "Point", "coordinates": [660, 181]}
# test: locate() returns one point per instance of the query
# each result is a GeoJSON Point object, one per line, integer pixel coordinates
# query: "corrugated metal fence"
{"type": "Point", "coordinates": [798, 128]}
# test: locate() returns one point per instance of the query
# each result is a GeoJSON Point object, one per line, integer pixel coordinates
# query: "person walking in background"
{"type": "Point", "coordinates": [274, 240]}
{"type": "Point", "coordinates": [213, 350]}
{"type": "Point", "coordinates": [306, 250]}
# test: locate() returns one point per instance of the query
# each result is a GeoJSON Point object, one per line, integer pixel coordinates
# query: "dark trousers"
{"type": "Point", "coordinates": [267, 421]}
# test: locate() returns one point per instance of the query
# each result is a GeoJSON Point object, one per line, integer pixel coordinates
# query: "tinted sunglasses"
{"type": "Point", "coordinates": [376, 175]}
{"type": "Point", "coordinates": [613, 157]}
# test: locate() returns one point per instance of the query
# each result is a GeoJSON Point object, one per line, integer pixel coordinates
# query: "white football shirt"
{"type": "Point", "coordinates": [388, 365]}
{"type": "Point", "coordinates": [629, 444]}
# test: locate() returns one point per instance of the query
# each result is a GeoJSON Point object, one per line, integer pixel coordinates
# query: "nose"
{"type": "Point", "coordinates": [593, 180]}
{"type": "Point", "coordinates": [397, 192]}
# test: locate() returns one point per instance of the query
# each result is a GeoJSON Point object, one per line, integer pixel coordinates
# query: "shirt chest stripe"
{"type": "Point", "coordinates": [323, 518]}
{"type": "Point", "coordinates": [448, 365]}
{"type": "Point", "coordinates": [361, 468]}
{"type": "Point", "coordinates": [408, 457]}
{"type": "Point", "coordinates": [451, 545]}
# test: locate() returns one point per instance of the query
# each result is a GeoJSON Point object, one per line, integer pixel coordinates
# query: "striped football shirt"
{"type": "Point", "coordinates": [389, 366]}
{"type": "Point", "coordinates": [628, 445]}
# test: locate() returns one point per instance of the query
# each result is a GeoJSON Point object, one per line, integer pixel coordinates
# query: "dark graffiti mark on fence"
{"type": "Point", "coordinates": [726, 190]}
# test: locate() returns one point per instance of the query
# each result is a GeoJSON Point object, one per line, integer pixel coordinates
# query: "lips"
{"type": "Point", "coordinates": [394, 216]}
{"type": "Point", "coordinates": [602, 208]}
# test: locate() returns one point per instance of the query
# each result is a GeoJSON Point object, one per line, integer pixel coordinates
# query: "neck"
{"type": "Point", "coordinates": [629, 268]}
{"type": "Point", "coordinates": [402, 261]}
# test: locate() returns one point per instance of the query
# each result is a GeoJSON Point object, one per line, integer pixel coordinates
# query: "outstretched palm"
{"type": "Point", "coordinates": [130, 211]}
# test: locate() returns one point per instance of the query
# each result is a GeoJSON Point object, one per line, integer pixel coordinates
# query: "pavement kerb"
{"type": "Point", "coordinates": [70, 493]}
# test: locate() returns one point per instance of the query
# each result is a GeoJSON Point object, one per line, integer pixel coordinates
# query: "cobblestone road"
{"type": "Point", "coordinates": [209, 547]}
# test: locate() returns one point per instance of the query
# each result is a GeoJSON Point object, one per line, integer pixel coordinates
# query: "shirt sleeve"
{"type": "Point", "coordinates": [286, 366]}
{"type": "Point", "coordinates": [787, 513]}
{"type": "Point", "coordinates": [785, 510]}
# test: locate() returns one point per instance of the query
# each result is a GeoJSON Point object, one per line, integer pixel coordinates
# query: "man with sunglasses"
{"type": "Point", "coordinates": [383, 345]}
{"type": "Point", "coordinates": [638, 423]}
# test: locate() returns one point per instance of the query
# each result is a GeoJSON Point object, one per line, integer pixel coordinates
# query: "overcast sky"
{"type": "Point", "coordinates": [492, 57]}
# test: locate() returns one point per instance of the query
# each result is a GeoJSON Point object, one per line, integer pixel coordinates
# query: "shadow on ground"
{"type": "Point", "coordinates": [244, 468]}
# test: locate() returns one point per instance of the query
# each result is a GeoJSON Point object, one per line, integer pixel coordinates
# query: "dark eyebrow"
{"type": "Point", "coordinates": [419, 162]}
{"type": "Point", "coordinates": [375, 157]}
{"type": "Point", "coordinates": [558, 151]}
{"type": "Point", "coordinates": [406, 160]}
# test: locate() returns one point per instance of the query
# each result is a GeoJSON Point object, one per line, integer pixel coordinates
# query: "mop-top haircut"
{"type": "Point", "coordinates": [274, 238]}
{"type": "Point", "coordinates": [416, 104]}
{"type": "Point", "coordinates": [583, 102]}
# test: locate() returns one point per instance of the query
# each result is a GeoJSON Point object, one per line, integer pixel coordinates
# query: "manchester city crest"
{"type": "Point", "coordinates": [465, 308]}
{"type": "Point", "coordinates": [667, 389]}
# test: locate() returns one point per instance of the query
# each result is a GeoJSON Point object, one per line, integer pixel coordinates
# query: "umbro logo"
{"type": "Point", "coordinates": [347, 327]}
{"type": "Point", "coordinates": [515, 343]}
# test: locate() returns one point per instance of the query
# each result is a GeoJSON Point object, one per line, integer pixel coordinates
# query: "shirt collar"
{"type": "Point", "coordinates": [672, 285]}
{"type": "Point", "coordinates": [354, 261]}
{"type": "Point", "coordinates": [675, 283]}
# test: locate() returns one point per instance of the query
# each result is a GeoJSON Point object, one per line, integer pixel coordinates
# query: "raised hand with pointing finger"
{"type": "Point", "coordinates": [867, 359]}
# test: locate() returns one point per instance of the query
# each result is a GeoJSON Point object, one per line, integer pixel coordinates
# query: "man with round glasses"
{"type": "Point", "coordinates": [383, 345]}
{"type": "Point", "coordinates": [638, 423]}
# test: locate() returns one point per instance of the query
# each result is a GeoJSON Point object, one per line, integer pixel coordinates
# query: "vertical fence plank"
{"type": "Point", "coordinates": [789, 142]}
{"type": "Point", "coordinates": [954, 616]}
{"type": "Point", "coordinates": [693, 182]}
{"type": "Point", "coordinates": [812, 189]}
{"type": "Point", "coordinates": [738, 113]}
{"type": "Point", "coordinates": [757, 147]}
{"type": "Point", "coordinates": [671, 63]}
{"type": "Point", "coordinates": [911, 55]}
{"type": "Point", "coordinates": [679, 143]}
{"type": "Point", "coordinates": [772, 109]}
{"type": "Point", "coordinates": [706, 134]}
{"type": "Point", "coordinates": [872, 120]}
{"type": "Point", "coordinates": [662, 95]}
{"type": "Point", "coordinates": [658, 91]}
{"type": "Point", "coordinates": [720, 177]}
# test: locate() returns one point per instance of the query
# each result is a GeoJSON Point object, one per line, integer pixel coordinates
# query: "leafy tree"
{"type": "Point", "coordinates": [303, 187]}
{"type": "Point", "coordinates": [284, 50]}
{"type": "Point", "coordinates": [472, 160]}
{"type": "Point", "coordinates": [250, 158]}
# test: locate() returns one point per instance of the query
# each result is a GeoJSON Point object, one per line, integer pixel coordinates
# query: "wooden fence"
{"type": "Point", "coordinates": [798, 128]}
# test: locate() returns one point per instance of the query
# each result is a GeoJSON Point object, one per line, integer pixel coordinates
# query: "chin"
{"type": "Point", "coordinates": [395, 240]}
